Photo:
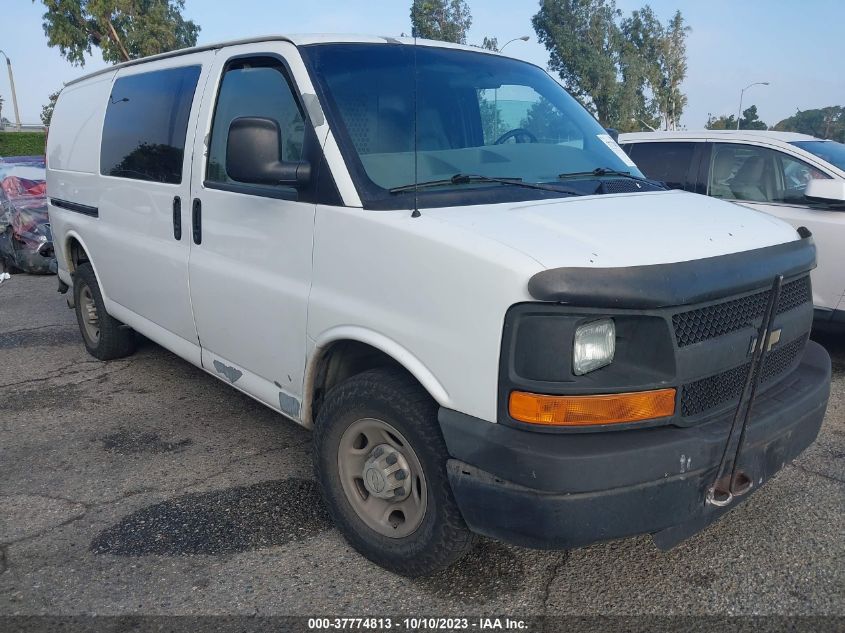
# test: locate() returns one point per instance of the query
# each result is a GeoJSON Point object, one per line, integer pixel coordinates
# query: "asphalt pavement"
{"type": "Point", "coordinates": [146, 486]}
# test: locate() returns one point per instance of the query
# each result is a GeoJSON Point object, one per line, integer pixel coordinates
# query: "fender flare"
{"type": "Point", "coordinates": [72, 234]}
{"type": "Point", "coordinates": [385, 344]}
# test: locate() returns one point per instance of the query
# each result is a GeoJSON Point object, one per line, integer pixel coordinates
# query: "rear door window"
{"type": "Point", "coordinates": [669, 162]}
{"type": "Point", "coordinates": [146, 125]}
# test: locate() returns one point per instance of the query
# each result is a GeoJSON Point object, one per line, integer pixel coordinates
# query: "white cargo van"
{"type": "Point", "coordinates": [435, 258]}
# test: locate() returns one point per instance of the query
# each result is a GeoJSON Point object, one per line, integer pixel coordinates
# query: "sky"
{"type": "Point", "coordinates": [796, 46]}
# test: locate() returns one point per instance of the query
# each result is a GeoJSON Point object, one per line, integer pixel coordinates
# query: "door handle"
{"type": "Point", "coordinates": [177, 217]}
{"type": "Point", "coordinates": [196, 220]}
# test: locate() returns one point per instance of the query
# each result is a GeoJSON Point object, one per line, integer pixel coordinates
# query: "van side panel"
{"type": "Point", "coordinates": [127, 223]}
{"type": "Point", "coordinates": [73, 150]}
{"type": "Point", "coordinates": [74, 141]}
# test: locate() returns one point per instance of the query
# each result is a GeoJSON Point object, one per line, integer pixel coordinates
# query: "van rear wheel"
{"type": "Point", "coordinates": [104, 336]}
{"type": "Point", "coordinates": [380, 460]}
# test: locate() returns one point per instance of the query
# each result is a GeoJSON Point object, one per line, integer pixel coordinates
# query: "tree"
{"type": "Point", "coordinates": [583, 42]}
{"type": "Point", "coordinates": [121, 29]}
{"type": "Point", "coordinates": [544, 121]}
{"type": "Point", "coordinates": [628, 71]}
{"type": "Point", "coordinates": [640, 43]}
{"type": "Point", "coordinates": [444, 20]}
{"type": "Point", "coordinates": [828, 123]}
{"type": "Point", "coordinates": [722, 123]}
{"type": "Point", "coordinates": [47, 110]}
{"type": "Point", "coordinates": [491, 117]}
{"type": "Point", "coordinates": [490, 43]}
{"type": "Point", "coordinates": [672, 61]}
{"type": "Point", "coordinates": [749, 121]}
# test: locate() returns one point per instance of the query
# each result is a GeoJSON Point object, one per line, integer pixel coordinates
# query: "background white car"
{"type": "Point", "coordinates": [796, 177]}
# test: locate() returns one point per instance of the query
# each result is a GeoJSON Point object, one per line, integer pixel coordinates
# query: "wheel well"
{"type": "Point", "coordinates": [341, 361]}
{"type": "Point", "coordinates": [75, 254]}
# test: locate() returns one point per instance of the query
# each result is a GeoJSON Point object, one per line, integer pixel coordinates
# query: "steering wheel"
{"type": "Point", "coordinates": [518, 133]}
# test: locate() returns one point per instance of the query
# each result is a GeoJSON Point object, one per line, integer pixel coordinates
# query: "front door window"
{"type": "Point", "coordinates": [758, 174]}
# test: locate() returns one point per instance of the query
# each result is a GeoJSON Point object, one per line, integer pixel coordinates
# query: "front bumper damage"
{"type": "Point", "coordinates": [569, 490]}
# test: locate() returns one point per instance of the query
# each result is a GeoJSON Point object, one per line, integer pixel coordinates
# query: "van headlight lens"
{"type": "Point", "coordinates": [595, 344]}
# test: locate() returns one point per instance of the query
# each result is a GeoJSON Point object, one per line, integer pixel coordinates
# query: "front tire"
{"type": "Point", "coordinates": [104, 336]}
{"type": "Point", "coordinates": [380, 461]}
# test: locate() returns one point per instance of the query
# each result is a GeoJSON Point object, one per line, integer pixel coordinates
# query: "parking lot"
{"type": "Point", "coordinates": [145, 486]}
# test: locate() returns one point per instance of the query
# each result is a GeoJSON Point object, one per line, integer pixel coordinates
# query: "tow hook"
{"type": "Point", "coordinates": [723, 491]}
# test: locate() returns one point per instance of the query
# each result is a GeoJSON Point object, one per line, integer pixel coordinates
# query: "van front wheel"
{"type": "Point", "coordinates": [380, 460]}
{"type": "Point", "coordinates": [105, 337]}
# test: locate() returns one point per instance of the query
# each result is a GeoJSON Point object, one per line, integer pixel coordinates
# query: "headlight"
{"type": "Point", "coordinates": [595, 344]}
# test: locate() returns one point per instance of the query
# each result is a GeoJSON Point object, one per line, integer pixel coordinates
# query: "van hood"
{"type": "Point", "coordinates": [620, 230]}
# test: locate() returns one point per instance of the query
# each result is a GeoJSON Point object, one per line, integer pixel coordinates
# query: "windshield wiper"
{"type": "Point", "coordinates": [463, 179]}
{"type": "Point", "coordinates": [606, 171]}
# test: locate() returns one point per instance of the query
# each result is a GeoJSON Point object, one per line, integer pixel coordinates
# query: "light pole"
{"type": "Point", "coordinates": [524, 38]}
{"type": "Point", "coordinates": [14, 96]}
{"type": "Point", "coordinates": [742, 92]}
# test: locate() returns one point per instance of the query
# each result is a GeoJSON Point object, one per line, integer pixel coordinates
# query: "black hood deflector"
{"type": "Point", "coordinates": [675, 284]}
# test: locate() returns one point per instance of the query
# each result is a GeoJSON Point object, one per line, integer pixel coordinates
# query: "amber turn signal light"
{"type": "Point", "coordinates": [613, 408]}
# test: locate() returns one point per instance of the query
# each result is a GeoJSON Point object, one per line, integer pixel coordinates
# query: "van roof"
{"type": "Point", "coordinates": [296, 40]}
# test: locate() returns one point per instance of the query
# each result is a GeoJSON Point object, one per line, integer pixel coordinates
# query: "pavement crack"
{"type": "Point", "coordinates": [62, 372]}
{"type": "Point", "coordinates": [818, 474]}
{"type": "Point", "coordinates": [57, 372]}
{"type": "Point", "coordinates": [35, 329]}
{"type": "Point", "coordinates": [84, 504]}
{"type": "Point", "coordinates": [4, 564]}
{"type": "Point", "coordinates": [44, 532]}
{"type": "Point", "coordinates": [554, 570]}
{"type": "Point", "coordinates": [195, 482]}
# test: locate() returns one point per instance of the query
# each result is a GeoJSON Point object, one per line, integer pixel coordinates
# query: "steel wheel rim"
{"type": "Point", "coordinates": [394, 518]}
{"type": "Point", "coordinates": [89, 317]}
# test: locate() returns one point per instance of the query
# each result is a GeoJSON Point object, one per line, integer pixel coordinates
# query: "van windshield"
{"type": "Point", "coordinates": [419, 114]}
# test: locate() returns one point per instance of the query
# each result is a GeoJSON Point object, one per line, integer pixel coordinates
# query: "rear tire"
{"type": "Point", "coordinates": [104, 336]}
{"type": "Point", "coordinates": [390, 411]}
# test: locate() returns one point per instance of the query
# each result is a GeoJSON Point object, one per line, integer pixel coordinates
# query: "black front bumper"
{"type": "Point", "coordinates": [568, 490]}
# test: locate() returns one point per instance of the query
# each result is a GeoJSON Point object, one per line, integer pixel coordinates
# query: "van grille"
{"type": "Point", "coordinates": [716, 320]}
{"type": "Point", "coordinates": [713, 391]}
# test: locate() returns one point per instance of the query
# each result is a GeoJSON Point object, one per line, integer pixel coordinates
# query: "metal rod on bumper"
{"type": "Point", "coordinates": [722, 492]}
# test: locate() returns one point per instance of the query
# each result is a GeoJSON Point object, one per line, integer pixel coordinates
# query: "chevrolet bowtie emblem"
{"type": "Point", "coordinates": [774, 339]}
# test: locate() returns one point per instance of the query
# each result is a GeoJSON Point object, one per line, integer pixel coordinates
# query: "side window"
{"type": "Point", "coordinates": [254, 88]}
{"type": "Point", "coordinates": [146, 124]}
{"type": "Point", "coordinates": [669, 162]}
{"type": "Point", "coordinates": [793, 176]}
{"type": "Point", "coordinates": [758, 174]}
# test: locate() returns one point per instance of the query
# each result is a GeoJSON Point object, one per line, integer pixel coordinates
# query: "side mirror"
{"type": "Point", "coordinates": [613, 132]}
{"type": "Point", "coordinates": [827, 189]}
{"type": "Point", "coordinates": [252, 155]}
